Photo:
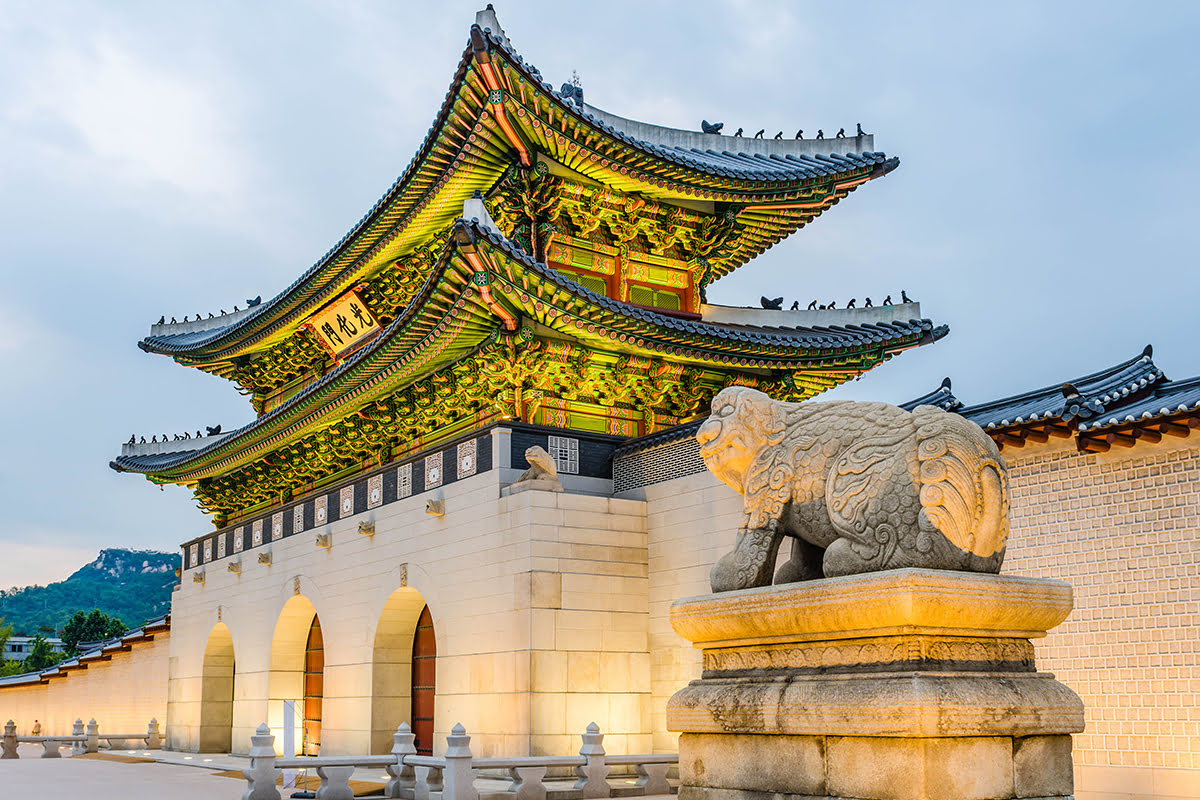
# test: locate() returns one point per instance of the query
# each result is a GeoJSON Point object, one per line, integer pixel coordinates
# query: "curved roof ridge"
{"type": "Point", "coordinates": [1056, 389]}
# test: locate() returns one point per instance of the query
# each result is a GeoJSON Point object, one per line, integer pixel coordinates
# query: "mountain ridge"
{"type": "Point", "coordinates": [132, 585]}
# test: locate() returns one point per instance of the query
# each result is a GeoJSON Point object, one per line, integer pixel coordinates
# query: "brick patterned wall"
{"type": "Point", "coordinates": [1124, 530]}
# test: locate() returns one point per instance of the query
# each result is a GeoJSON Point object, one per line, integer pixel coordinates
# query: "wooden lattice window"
{"type": "Point", "coordinates": [655, 297]}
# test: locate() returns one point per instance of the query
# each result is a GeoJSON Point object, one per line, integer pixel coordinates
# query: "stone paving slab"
{"type": "Point", "coordinates": [77, 778]}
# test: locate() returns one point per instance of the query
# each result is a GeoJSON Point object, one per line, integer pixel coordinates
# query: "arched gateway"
{"type": "Point", "coordinates": [216, 692]}
{"type": "Point", "coordinates": [298, 673]}
{"type": "Point", "coordinates": [403, 671]}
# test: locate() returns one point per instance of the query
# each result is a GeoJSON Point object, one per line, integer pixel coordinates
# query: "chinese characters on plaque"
{"type": "Point", "coordinates": [343, 324]}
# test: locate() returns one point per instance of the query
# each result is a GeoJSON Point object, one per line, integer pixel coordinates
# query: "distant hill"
{"type": "Point", "coordinates": [132, 585]}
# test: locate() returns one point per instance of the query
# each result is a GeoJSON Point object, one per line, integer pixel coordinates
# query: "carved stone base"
{"type": "Point", "coordinates": [902, 685]}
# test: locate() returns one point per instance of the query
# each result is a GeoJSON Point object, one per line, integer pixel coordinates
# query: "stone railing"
{"type": "Point", "coordinates": [82, 739]}
{"type": "Point", "coordinates": [451, 776]}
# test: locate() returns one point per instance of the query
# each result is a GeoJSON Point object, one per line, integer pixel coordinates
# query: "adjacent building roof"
{"type": "Point", "coordinates": [1116, 406]}
{"type": "Point", "coordinates": [99, 651]}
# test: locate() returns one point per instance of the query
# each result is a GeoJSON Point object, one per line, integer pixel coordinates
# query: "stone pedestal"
{"type": "Point", "coordinates": [903, 685]}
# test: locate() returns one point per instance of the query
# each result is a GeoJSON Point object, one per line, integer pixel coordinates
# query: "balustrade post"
{"type": "Point", "coordinates": [153, 736]}
{"type": "Point", "coordinates": [93, 737]}
{"type": "Point", "coordinates": [8, 742]}
{"type": "Point", "coordinates": [652, 778]}
{"type": "Point", "coordinates": [402, 778]}
{"type": "Point", "coordinates": [261, 776]}
{"type": "Point", "coordinates": [77, 730]}
{"type": "Point", "coordinates": [528, 782]}
{"type": "Point", "coordinates": [593, 776]}
{"type": "Point", "coordinates": [335, 783]}
{"type": "Point", "coordinates": [428, 784]}
{"type": "Point", "coordinates": [459, 777]}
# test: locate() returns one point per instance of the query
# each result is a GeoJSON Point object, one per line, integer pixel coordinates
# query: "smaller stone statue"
{"type": "Point", "coordinates": [541, 466]}
{"type": "Point", "coordinates": [860, 487]}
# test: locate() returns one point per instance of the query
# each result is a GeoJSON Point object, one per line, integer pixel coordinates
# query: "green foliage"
{"type": "Point", "coordinates": [85, 627]}
{"type": "Point", "coordinates": [6, 631]}
{"type": "Point", "coordinates": [41, 656]}
{"type": "Point", "coordinates": [128, 585]}
{"type": "Point", "coordinates": [8, 668]}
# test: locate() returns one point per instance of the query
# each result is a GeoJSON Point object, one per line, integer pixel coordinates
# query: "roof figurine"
{"type": "Point", "coordinates": [546, 234]}
{"type": "Point", "coordinates": [711, 127]}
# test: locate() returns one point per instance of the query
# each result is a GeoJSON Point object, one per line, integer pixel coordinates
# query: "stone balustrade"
{"type": "Point", "coordinates": [452, 775]}
{"type": "Point", "coordinates": [83, 739]}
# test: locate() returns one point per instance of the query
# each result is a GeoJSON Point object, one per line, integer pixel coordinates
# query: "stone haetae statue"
{"type": "Point", "coordinates": [542, 466]}
{"type": "Point", "coordinates": [861, 487]}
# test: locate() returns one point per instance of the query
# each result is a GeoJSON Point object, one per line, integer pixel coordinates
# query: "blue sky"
{"type": "Point", "coordinates": [171, 159]}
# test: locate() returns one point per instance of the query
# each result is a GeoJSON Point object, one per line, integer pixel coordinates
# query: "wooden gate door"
{"type": "Point", "coordinates": [424, 660]}
{"type": "Point", "coordinates": [314, 688]}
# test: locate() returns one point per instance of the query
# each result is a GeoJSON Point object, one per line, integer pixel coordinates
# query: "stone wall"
{"type": "Point", "coordinates": [1123, 529]}
{"type": "Point", "coordinates": [539, 604]}
{"type": "Point", "coordinates": [121, 694]}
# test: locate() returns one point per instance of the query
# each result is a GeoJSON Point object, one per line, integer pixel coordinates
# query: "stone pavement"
{"type": "Point", "coordinates": [73, 778]}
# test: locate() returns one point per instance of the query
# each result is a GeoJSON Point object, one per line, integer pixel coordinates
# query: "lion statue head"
{"type": "Point", "coordinates": [742, 422]}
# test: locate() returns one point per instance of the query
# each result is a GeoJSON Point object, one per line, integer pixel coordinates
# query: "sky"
{"type": "Point", "coordinates": [176, 158]}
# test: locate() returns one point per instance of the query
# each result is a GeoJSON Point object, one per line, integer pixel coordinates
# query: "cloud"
{"type": "Point", "coordinates": [94, 110]}
{"type": "Point", "coordinates": [36, 562]}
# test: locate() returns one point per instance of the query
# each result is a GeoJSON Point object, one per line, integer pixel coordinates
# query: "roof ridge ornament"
{"type": "Point", "coordinates": [475, 211]}
{"type": "Point", "coordinates": [486, 19]}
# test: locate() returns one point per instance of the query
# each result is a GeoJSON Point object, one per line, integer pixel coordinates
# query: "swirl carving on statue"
{"type": "Point", "coordinates": [857, 487]}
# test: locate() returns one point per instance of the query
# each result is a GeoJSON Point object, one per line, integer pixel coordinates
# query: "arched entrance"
{"type": "Point", "coordinates": [216, 692]}
{"type": "Point", "coordinates": [297, 674]}
{"type": "Point", "coordinates": [403, 670]}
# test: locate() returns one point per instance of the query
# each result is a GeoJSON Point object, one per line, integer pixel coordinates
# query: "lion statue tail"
{"type": "Point", "coordinates": [963, 482]}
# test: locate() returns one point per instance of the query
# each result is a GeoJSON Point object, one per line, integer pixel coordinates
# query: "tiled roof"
{"type": "Point", "coordinates": [942, 397]}
{"type": "Point", "coordinates": [771, 161]}
{"type": "Point", "coordinates": [1169, 398]}
{"type": "Point", "coordinates": [732, 343]}
{"type": "Point", "coordinates": [1081, 398]}
{"type": "Point", "coordinates": [99, 652]}
{"type": "Point", "coordinates": [1120, 405]}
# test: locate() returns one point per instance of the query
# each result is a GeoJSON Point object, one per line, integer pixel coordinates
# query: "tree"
{"type": "Point", "coordinates": [93, 627]}
{"type": "Point", "coordinates": [5, 632]}
{"type": "Point", "coordinates": [9, 668]}
{"type": "Point", "coordinates": [41, 656]}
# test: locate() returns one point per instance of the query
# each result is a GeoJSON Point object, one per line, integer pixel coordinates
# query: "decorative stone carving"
{"type": "Point", "coordinates": [541, 466]}
{"type": "Point", "coordinates": [860, 487]}
{"type": "Point", "coordinates": [906, 684]}
{"type": "Point", "coordinates": [541, 476]}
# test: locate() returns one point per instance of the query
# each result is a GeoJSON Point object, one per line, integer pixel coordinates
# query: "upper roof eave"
{"type": "Point", "coordinates": [224, 342]}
